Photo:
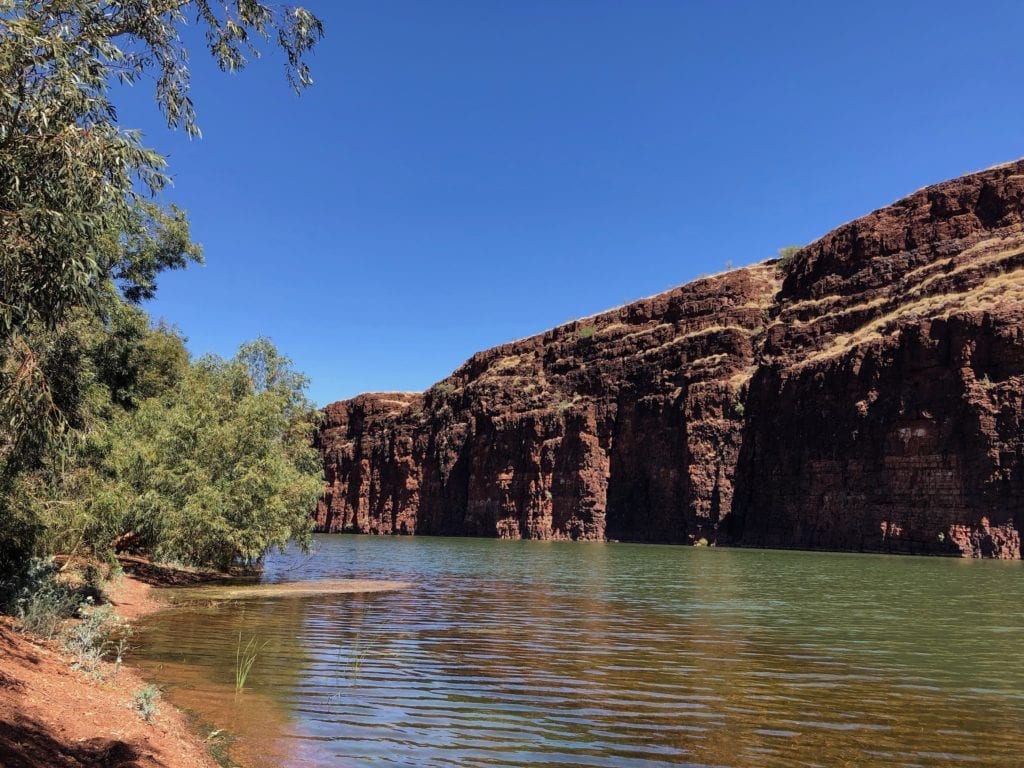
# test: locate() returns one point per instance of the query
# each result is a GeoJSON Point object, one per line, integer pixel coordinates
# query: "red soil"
{"type": "Point", "coordinates": [52, 716]}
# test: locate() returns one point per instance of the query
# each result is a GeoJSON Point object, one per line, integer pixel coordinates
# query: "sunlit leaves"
{"type": "Point", "coordinates": [221, 467]}
{"type": "Point", "coordinates": [71, 179]}
{"type": "Point", "coordinates": [205, 463]}
{"type": "Point", "coordinates": [77, 190]}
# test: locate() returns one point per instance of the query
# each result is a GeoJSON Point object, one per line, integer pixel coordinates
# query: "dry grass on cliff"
{"type": "Point", "coordinates": [996, 291]}
{"type": "Point", "coordinates": [821, 303]}
{"type": "Point", "coordinates": [648, 331]}
{"type": "Point", "coordinates": [610, 329]}
{"type": "Point", "coordinates": [687, 338]}
{"type": "Point", "coordinates": [828, 316]}
{"type": "Point", "coordinates": [986, 262]}
{"type": "Point", "coordinates": [507, 364]}
{"type": "Point", "coordinates": [990, 255]}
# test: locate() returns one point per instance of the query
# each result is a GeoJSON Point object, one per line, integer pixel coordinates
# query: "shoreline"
{"type": "Point", "coordinates": [54, 715]}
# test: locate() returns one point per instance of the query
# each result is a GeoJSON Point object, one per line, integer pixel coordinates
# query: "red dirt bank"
{"type": "Point", "coordinates": [866, 396]}
{"type": "Point", "coordinates": [54, 717]}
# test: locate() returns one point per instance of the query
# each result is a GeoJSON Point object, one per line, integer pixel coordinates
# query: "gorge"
{"type": "Point", "coordinates": [862, 394]}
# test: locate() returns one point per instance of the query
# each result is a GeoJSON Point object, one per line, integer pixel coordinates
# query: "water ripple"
{"type": "Point", "coordinates": [529, 654]}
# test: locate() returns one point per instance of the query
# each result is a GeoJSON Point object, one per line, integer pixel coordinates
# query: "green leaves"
{"type": "Point", "coordinates": [100, 427]}
{"type": "Point", "coordinates": [153, 240]}
{"type": "Point", "coordinates": [77, 213]}
{"type": "Point", "coordinates": [209, 463]}
{"type": "Point", "coordinates": [221, 467]}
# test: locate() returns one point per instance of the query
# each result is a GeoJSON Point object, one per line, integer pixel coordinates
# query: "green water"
{"type": "Point", "coordinates": [533, 653]}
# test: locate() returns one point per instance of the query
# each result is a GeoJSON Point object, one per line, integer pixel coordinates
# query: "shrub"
{"type": "Point", "coordinates": [787, 255]}
{"type": "Point", "coordinates": [40, 600]}
{"type": "Point", "coordinates": [144, 702]}
{"type": "Point", "coordinates": [444, 388]}
{"type": "Point", "coordinates": [222, 468]}
{"type": "Point", "coordinates": [20, 529]}
{"type": "Point", "coordinates": [587, 332]}
{"type": "Point", "coordinates": [90, 639]}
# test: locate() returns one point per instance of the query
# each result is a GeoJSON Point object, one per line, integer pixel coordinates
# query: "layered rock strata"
{"type": "Point", "coordinates": [864, 395]}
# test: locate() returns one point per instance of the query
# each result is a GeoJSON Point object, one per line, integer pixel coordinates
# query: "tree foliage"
{"type": "Point", "coordinates": [222, 466]}
{"type": "Point", "coordinates": [75, 213]}
{"type": "Point", "coordinates": [208, 463]}
{"type": "Point", "coordinates": [83, 236]}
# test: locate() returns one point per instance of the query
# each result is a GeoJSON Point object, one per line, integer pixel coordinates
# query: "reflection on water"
{"type": "Point", "coordinates": [531, 653]}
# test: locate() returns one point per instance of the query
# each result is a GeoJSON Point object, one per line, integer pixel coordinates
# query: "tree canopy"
{"type": "Point", "coordinates": [208, 463]}
{"type": "Point", "coordinates": [84, 235]}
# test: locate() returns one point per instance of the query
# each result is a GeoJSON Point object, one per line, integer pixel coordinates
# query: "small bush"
{"type": "Point", "coordinates": [92, 576]}
{"type": "Point", "coordinates": [115, 572]}
{"type": "Point", "coordinates": [19, 532]}
{"type": "Point", "coordinates": [120, 648]}
{"type": "Point", "coordinates": [90, 639]}
{"type": "Point", "coordinates": [144, 702]}
{"type": "Point", "coordinates": [787, 255]}
{"type": "Point", "coordinates": [587, 332]}
{"type": "Point", "coordinates": [40, 600]}
{"type": "Point", "coordinates": [738, 409]}
{"type": "Point", "coordinates": [444, 389]}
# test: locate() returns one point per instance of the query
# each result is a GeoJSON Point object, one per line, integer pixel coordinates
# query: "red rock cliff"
{"type": "Point", "coordinates": [867, 395]}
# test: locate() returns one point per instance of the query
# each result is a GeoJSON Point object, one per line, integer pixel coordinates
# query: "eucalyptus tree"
{"type": "Point", "coordinates": [76, 189]}
{"type": "Point", "coordinates": [82, 230]}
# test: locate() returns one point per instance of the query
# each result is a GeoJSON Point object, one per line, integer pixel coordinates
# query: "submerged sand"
{"type": "Point", "coordinates": [290, 589]}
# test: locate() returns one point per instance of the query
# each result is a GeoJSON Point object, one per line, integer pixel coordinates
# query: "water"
{"type": "Point", "coordinates": [535, 653]}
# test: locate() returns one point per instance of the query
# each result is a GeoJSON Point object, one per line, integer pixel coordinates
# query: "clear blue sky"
{"type": "Point", "coordinates": [466, 173]}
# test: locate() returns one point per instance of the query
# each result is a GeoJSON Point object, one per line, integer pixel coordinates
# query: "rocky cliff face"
{"type": "Point", "coordinates": [867, 395]}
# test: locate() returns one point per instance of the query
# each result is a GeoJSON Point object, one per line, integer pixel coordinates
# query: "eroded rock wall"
{"type": "Point", "coordinates": [885, 414]}
{"type": "Point", "coordinates": [865, 396]}
{"type": "Point", "coordinates": [622, 425]}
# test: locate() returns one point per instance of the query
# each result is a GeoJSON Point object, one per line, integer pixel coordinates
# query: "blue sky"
{"type": "Point", "coordinates": [466, 173]}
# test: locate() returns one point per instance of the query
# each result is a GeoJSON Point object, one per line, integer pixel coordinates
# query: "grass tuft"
{"type": "Point", "coordinates": [245, 657]}
{"type": "Point", "coordinates": [144, 702]}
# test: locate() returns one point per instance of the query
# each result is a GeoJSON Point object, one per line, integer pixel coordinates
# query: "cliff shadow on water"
{"type": "Point", "coordinates": [862, 394]}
